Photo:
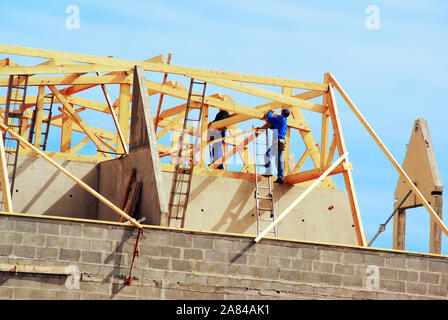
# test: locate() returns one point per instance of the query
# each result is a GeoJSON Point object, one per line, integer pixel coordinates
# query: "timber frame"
{"type": "Point", "coordinates": [68, 75]}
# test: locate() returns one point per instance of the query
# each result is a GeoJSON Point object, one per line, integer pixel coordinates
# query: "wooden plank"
{"type": "Point", "coordinates": [337, 129]}
{"type": "Point", "coordinates": [300, 198]}
{"type": "Point", "coordinates": [73, 79]}
{"type": "Point", "coordinates": [204, 135]}
{"type": "Point", "coordinates": [394, 162]}
{"type": "Point", "coordinates": [28, 268]}
{"type": "Point", "coordinates": [39, 116]}
{"type": "Point", "coordinates": [54, 69]}
{"type": "Point", "coordinates": [66, 131]}
{"type": "Point", "coordinates": [123, 113]}
{"type": "Point", "coordinates": [71, 176]}
{"type": "Point", "coordinates": [159, 107]}
{"type": "Point", "coordinates": [313, 174]}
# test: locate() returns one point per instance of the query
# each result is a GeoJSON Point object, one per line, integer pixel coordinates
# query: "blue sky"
{"type": "Point", "coordinates": [394, 74]}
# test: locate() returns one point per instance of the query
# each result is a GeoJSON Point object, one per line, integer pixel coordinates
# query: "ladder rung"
{"type": "Point", "coordinates": [265, 209]}
{"type": "Point", "coordinates": [266, 220]}
{"type": "Point", "coordinates": [264, 198]}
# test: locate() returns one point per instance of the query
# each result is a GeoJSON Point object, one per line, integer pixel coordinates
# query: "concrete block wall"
{"type": "Point", "coordinates": [177, 264]}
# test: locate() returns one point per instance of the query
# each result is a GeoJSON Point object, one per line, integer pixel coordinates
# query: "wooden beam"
{"type": "Point", "coordinates": [160, 67]}
{"type": "Point", "coordinates": [394, 162]}
{"type": "Point", "coordinates": [159, 107]}
{"type": "Point", "coordinates": [348, 179]}
{"type": "Point", "coordinates": [54, 69]}
{"type": "Point", "coordinates": [263, 93]}
{"type": "Point", "coordinates": [72, 79]}
{"type": "Point", "coordinates": [314, 174]}
{"type": "Point", "coordinates": [67, 173]}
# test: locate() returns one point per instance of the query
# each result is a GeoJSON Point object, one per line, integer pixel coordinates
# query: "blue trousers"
{"type": "Point", "coordinates": [273, 152]}
{"type": "Point", "coordinates": [216, 148]}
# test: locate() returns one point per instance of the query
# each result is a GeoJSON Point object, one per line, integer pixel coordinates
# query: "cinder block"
{"type": "Point", "coordinates": [266, 273]}
{"type": "Point", "coordinates": [416, 288]}
{"type": "Point", "coordinates": [102, 245]}
{"type": "Point", "coordinates": [257, 260]}
{"type": "Point", "coordinates": [203, 243]}
{"type": "Point", "coordinates": [194, 254]}
{"type": "Point", "coordinates": [393, 286]}
{"type": "Point", "coordinates": [217, 281]}
{"type": "Point", "coordinates": [388, 274]}
{"type": "Point", "coordinates": [310, 277]}
{"type": "Point", "coordinates": [279, 262]}
{"type": "Point", "coordinates": [353, 258]}
{"type": "Point", "coordinates": [324, 267]}
{"type": "Point", "coordinates": [6, 224]}
{"type": "Point", "coordinates": [215, 256]}
{"type": "Point", "coordinates": [24, 251]}
{"type": "Point", "coordinates": [429, 277]}
{"type": "Point", "coordinates": [408, 276]}
{"type": "Point", "coordinates": [56, 242]}
{"type": "Point", "coordinates": [69, 255]}
{"type": "Point", "coordinates": [237, 258]}
{"type": "Point", "coordinates": [47, 253]}
{"type": "Point", "coordinates": [71, 229]}
{"type": "Point", "coordinates": [438, 266]}
{"type": "Point", "coordinates": [149, 250]}
{"type": "Point", "coordinates": [304, 265]}
{"type": "Point", "coordinates": [395, 262]}
{"type": "Point", "coordinates": [416, 264]}
{"type": "Point", "coordinates": [91, 257]}
{"type": "Point", "coordinates": [352, 281]}
{"type": "Point", "coordinates": [374, 259]}
{"type": "Point", "coordinates": [440, 291]}
{"type": "Point", "coordinates": [308, 253]}
{"type": "Point", "coordinates": [25, 226]}
{"type": "Point", "coordinates": [331, 279]}
{"type": "Point", "coordinates": [79, 243]}
{"type": "Point", "coordinates": [343, 269]}
{"type": "Point", "coordinates": [331, 256]}
{"type": "Point", "coordinates": [181, 265]}
{"type": "Point", "coordinates": [5, 249]}
{"type": "Point", "coordinates": [158, 263]}
{"type": "Point", "coordinates": [149, 292]}
{"type": "Point", "coordinates": [48, 228]}
{"type": "Point", "coordinates": [33, 239]}
{"type": "Point", "coordinates": [93, 232]}
{"type": "Point", "coordinates": [114, 234]}
{"type": "Point", "coordinates": [181, 240]}
{"type": "Point", "coordinates": [170, 252]}
{"type": "Point", "coordinates": [10, 238]}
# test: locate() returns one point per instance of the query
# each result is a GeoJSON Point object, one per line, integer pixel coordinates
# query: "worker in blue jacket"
{"type": "Point", "coordinates": [279, 125]}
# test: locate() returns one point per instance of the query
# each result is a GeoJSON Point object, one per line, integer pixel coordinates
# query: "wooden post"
{"type": "Point", "coordinates": [39, 116]}
{"type": "Point", "coordinates": [204, 135]}
{"type": "Point", "coordinates": [123, 113]}
{"type": "Point", "coordinates": [435, 233]}
{"type": "Point", "coordinates": [337, 129]}
{"type": "Point", "coordinates": [324, 129]}
{"type": "Point", "coordinates": [399, 232]}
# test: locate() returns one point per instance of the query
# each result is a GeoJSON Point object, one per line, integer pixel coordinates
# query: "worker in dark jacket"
{"type": "Point", "coordinates": [216, 148]}
{"type": "Point", "coordinates": [279, 126]}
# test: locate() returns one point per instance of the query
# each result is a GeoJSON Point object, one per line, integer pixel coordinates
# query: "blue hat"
{"type": "Point", "coordinates": [285, 112]}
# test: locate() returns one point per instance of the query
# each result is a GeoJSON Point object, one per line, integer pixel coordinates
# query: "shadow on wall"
{"type": "Point", "coordinates": [40, 188]}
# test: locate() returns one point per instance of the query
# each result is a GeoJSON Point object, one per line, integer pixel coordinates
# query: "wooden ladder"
{"type": "Point", "coordinates": [14, 108]}
{"type": "Point", "coordinates": [45, 129]}
{"type": "Point", "coordinates": [264, 195]}
{"type": "Point", "coordinates": [185, 160]}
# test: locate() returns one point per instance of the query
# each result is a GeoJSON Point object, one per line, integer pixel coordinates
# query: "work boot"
{"type": "Point", "coordinates": [279, 181]}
